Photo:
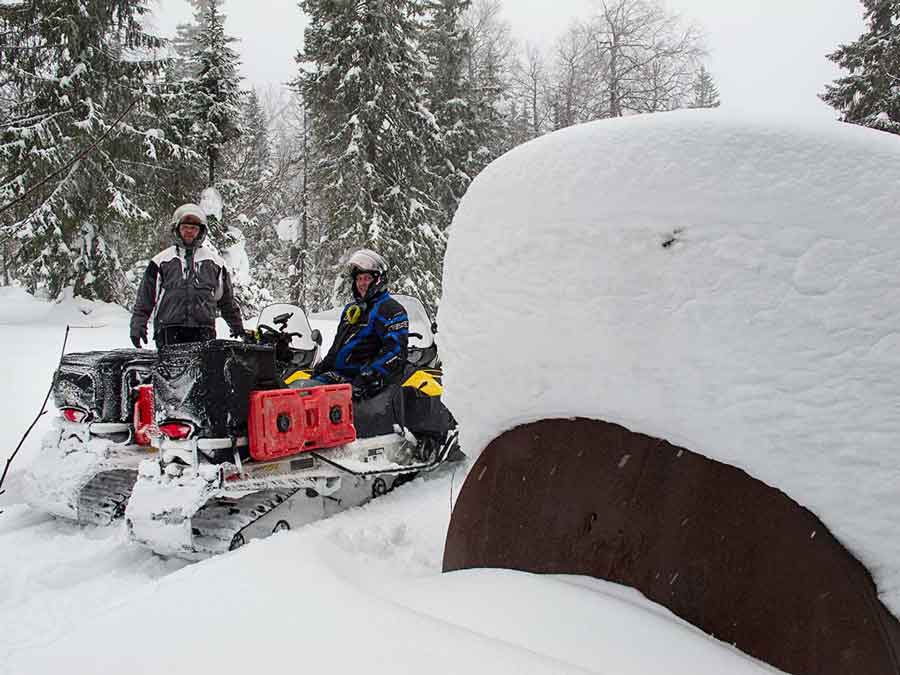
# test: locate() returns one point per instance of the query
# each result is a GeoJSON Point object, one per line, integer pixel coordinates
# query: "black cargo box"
{"type": "Point", "coordinates": [209, 384]}
{"type": "Point", "coordinates": [102, 383]}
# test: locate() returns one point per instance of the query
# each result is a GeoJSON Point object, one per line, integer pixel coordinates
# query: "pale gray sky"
{"type": "Point", "coordinates": [763, 54]}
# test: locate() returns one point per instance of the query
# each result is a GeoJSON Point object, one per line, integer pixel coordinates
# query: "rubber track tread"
{"type": "Point", "coordinates": [102, 500]}
{"type": "Point", "coordinates": [220, 519]}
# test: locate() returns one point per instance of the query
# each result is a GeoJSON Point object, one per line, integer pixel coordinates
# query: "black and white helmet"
{"type": "Point", "coordinates": [193, 214]}
{"type": "Point", "coordinates": [366, 260]}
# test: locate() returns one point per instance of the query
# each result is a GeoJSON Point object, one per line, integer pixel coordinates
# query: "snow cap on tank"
{"type": "Point", "coordinates": [730, 284]}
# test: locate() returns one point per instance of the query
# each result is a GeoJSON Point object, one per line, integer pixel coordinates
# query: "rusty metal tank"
{"type": "Point", "coordinates": [719, 548]}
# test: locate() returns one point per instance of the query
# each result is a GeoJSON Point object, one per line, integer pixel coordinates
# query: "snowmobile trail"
{"type": "Point", "coordinates": [55, 575]}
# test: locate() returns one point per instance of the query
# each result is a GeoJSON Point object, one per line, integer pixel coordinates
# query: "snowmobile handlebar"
{"type": "Point", "coordinates": [268, 330]}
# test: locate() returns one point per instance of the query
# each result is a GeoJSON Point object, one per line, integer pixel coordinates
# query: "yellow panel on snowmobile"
{"type": "Point", "coordinates": [298, 375]}
{"type": "Point", "coordinates": [426, 381]}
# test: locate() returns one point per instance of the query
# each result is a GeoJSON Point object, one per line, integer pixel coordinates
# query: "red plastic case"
{"type": "Point", "coordinates": [285, 422]}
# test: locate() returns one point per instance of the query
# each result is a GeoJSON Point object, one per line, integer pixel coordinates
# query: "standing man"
{"type": "Point", "coordinates": [183, 286]}
{"type": "Point", "coordinates": [370, 346]}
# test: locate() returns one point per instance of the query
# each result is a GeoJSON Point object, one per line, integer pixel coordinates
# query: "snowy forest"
{"type": "Point", "coordinates": [395, 107]}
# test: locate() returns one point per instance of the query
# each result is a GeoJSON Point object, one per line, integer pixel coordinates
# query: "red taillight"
{"type": "Point", "coordinates": [143, 414]}
{"type": "Point", "coordinates": [177, 431]}
{"type": "Point", "coordinates": [74, 415]}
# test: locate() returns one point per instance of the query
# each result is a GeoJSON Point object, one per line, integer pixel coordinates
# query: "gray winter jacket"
{"type": "Point", "coordinates": [183, 287]}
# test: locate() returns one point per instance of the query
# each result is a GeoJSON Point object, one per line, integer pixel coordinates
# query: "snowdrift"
{"type": "Point", "coordinates": [729, 285]}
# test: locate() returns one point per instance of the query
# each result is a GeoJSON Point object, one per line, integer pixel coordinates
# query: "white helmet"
{"type": "Point", "coordinates": [186, 210]}
{"type": "Point", "coordinates": [193, 214]}
{"type": "Point", "coordinates": [366, 260]}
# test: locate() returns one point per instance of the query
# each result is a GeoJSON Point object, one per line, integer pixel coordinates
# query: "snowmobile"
{"type": "Point", "coordinates": [243, 454]}
{"type": "Point", "coordinates": [89, 459]}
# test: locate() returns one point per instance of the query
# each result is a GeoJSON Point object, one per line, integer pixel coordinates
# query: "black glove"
{"type": "Point", "coordinates": [367, 384]}
{"type": "Point", "coordinates": [138, 335]}
{"type": "Point", "coordinates": [248, 336]}
{"type": "Point", "coordinates": [328, 377]}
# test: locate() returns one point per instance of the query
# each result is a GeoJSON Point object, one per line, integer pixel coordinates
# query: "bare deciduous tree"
{"type": "Point", "coordinates": [575, 96]}
{"type": "Point", "coordinates": [644, 56]}
{"type": "Point", "coordinates": [530, 80]}
{"type": "Point", "coordinates": [630, 56]}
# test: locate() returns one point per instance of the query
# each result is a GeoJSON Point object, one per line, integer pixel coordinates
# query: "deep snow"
{"type": "Point", "coordinates": [359, 592]}
{"type": "Point", "coordinates": [728, 284]}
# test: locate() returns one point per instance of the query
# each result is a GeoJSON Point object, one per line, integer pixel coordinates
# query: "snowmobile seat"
{"type": "Point", "coordinates": [377, 415]}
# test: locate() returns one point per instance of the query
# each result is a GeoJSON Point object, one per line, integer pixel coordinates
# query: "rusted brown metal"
{"type": "Point", "coordinates": [726, 552]}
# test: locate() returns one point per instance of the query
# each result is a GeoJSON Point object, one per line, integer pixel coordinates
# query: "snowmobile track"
{"type": "Point", "coordinates": [103, 498]}
{"type": "Point", "coordinates": [216, 524]}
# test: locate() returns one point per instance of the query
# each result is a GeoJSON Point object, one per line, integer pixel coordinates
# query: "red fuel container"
{"type": "Point", "coordinates": [285, 422]}
{"type": "Point", "coordinates": [329, 415]}
{"type": "Point", "coordinates": [276, 424]}
{"type": "Point", "coordinates": [143, 414]}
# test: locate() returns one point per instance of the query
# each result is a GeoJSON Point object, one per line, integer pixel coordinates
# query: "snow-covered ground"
{"type": "Point", "coordinates": [359, 592]}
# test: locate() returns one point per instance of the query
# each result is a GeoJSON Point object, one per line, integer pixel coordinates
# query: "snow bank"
{"type": "Point", "coordinates": [31, 337]}
{"type": "Point", "coordinates": [730, 285]}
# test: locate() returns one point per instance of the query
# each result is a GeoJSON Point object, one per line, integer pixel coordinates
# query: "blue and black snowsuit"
{"type": "Point", "coordinates": [370, 346]}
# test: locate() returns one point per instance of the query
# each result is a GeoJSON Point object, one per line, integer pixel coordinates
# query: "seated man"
{"type": "Point", "coordinates": [369, 349]}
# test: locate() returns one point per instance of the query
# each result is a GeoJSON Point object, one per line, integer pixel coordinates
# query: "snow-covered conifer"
{"type": "Point", "coordinates": [184, 43]}
{"type": "Point", "coordinates": [705, 91]}
{"type": "Point", "coordinates": [363, 76]}
{"type": "Point", "coordinates": [215, 94]}
{"type": "Point", "coordinates": [870, 94]}
{"type": "Point", "coordinates": [447, 45]}
{"type": "Point", "coordinates": [489, 64]}
{"type": "Point", "coordinates": [79, 135]}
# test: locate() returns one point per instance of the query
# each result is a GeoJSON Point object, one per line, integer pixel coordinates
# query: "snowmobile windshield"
{"type": "Point", "coordinates": [296, 324]}
{"type": "Point", "coordinates": [419, 322]}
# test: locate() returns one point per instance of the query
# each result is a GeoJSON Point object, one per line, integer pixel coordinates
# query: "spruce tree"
{"type": "Point", "coordinates": [870, 94]}
{"type": "Point", "coordinates": [184, 43]}
{"type": "Point", "coordinates": [363, 76]}
{"type": "Point", "coordinates": [80, 136]}
{"type": "Point", "coordinates": [215, 93]}
{"type": "Point", "coordinates": [249, 185]}
{"type": "Point", "coordinates": [705, 92]}
{"type": "Point", "coordinates": [489, 63]}
{"type": "Point", "coordinates": [455, 161]}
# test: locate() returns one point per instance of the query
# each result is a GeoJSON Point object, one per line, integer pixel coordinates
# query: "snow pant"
{"type": "Point", "coordinates": [174, 335]}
